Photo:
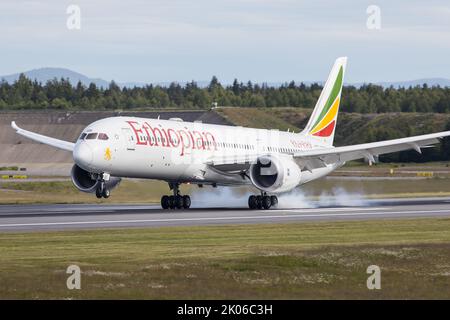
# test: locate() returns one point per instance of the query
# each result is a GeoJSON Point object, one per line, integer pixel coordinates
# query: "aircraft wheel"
{"type": "Point", "coordinates": [259, 204]}
{"type": "Point", "coordinates": [265, 202]}
{"type": "Point", "coordinates": [186, 202]}
{"type": "Point", "coordinates": [178, 202]}
{"type": "Point", "coordinates": [171, 202]}
{"type": "Point", "coordinates": [106, 193]}
{"type": "Point", "coordinates": [252, 202]}
{"type": "Point", "coordinates": [165, 202]}
{"type": "Point", "coordinates": [273, 200]}
{"type": "Point", "coordinates": [98, 193]}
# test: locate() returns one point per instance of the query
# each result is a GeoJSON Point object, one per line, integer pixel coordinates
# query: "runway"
{"type": "Point", "coordinates": [88, 216]}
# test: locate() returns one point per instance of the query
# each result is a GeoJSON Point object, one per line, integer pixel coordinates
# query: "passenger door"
{"type": "Point", "coordinates": [129, 139]}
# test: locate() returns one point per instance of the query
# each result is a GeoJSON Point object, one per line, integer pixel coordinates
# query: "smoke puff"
{"type": "Point", "coordinates": [229, 197]}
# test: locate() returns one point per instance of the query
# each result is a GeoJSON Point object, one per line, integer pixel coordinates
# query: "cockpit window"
{"type": "Point", "coordinates": [83, 135]}
{"type": "Point", "coordinates": [91, 136]}
{"type": "Point", "coordinates": [103, 136]}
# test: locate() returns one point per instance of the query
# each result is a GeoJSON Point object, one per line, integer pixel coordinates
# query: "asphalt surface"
{"type": "Point", "coordinates": [87, 216]}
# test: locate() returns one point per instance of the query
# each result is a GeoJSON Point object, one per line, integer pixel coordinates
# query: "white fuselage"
{"type": "Point", "coordinates": [173, 150]}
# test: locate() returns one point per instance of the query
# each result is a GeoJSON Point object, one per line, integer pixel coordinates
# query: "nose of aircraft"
{"type": "Point", "coordinates": [82, 155]}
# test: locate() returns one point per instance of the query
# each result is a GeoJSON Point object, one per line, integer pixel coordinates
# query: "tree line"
{"type": "Point", "coordinates": [61, 94]}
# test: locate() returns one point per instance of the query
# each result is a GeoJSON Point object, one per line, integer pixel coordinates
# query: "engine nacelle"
{"type": "Point", "coordinates": [87, 182]}
{"type": "Point", "coordinates": [275, 175]}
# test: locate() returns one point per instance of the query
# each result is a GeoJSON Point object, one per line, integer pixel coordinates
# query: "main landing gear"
{"type": "Point", "coordinates": [102, 191]}
{"type": "Point", "coordinates": [262, 201]}
{"type": "Point", "coordinates": [176, 201]}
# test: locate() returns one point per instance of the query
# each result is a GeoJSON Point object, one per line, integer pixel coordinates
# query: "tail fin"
{"type": "Point", "coordinates": [322, 123]}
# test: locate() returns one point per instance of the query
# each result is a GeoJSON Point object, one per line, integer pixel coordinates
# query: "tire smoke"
{"type": "Point", "coordinates": [235, 197]}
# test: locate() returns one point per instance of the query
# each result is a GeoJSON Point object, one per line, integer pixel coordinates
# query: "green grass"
{"type": "Point", "coordinates": [129, 191]}
{"type": "Point", "coordinates": [255, 118]}
{"type": "Point", "coordinates": [308, 260]}
{"type": "Point", "coordinates": [11, 168]}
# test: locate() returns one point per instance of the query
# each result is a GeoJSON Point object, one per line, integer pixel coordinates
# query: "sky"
{"type": "Point", "coordinates": [257, 40]}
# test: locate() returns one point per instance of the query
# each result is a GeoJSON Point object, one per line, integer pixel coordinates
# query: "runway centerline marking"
{"type": "Point", "coordinates": [216, 218]}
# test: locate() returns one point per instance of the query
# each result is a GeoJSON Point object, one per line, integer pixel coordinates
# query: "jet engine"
{"type": "Point", "coordinates": [88, 182]}
{"type": "Point", "coordinates": [275, 174]}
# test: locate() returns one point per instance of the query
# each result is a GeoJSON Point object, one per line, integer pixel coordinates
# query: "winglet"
{"type": "Point", "coordinates": [14, 125]}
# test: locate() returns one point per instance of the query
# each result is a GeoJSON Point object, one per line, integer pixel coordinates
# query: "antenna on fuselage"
{"type": "Point", "coordinates": [158, 116]}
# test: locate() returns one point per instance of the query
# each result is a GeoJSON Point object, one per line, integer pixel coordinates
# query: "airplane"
{"type": "Point", "coordinates": [181, 152]}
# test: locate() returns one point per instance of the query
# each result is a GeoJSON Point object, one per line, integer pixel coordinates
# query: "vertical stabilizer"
{"type": "Point", "coordinates": [322, 123]}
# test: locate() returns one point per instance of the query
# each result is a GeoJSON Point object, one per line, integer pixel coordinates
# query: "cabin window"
{"type": "Point", "coordinates": [91, 136]}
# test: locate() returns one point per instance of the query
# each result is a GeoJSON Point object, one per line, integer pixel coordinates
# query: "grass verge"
{"type": "Point", "coordinates": [307, 260]}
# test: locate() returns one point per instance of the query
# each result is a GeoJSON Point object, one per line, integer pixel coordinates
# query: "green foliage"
{"type": "Point", "coordinates": [60, 94]}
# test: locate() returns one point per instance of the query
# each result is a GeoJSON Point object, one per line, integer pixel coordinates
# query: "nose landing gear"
{"type": "Point", "coordinates": [262, 201]}
{"type": "Point", "coordinates": [177, 201]}
{"type": "Point", "coordinates": [102, 191]}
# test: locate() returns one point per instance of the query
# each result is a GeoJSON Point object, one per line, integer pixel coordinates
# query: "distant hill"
{"type": "Point", "coordinates": [45, 74]}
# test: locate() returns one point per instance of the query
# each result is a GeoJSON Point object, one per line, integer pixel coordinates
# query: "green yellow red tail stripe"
{"type": "Point", "coordinates": [325, 123]}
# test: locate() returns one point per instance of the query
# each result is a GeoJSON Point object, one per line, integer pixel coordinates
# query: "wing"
{"type": "Point", "coordinates": [61, 144]}
{"type": "Point", "coordinates": [321, 157]}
